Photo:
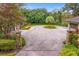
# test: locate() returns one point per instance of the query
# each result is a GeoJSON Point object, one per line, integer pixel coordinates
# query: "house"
{"type": "Point", "coordinates": [73, 32]}
{"type": "Point", "coordinates": [73, 24]}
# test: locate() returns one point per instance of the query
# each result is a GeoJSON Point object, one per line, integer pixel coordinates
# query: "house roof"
{"type": "Point", "coordinates": [74, 20]}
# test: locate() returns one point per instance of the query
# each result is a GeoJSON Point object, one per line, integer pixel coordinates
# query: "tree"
{"type": "Point", "coordinates": [50, 20]}
{"type": "Point", "coordinates": [57, 15]}
{"type": "Point", "coordinates": [36, 16]}
{"type": "Point", "coordinates": [10, 16]}
{"type": "Point", "coordinates": [74, 7]}
{"type": "Point", "coordinates": [67, 15]}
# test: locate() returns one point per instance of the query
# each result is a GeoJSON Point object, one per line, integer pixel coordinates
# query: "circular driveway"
{"type": "Point", "coordinates": [41, 41]}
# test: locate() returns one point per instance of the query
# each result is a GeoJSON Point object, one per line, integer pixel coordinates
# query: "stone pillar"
{"type": "Point", "coordinates": [18, 35]}
{"type": "Point", "coordinates": [68, 36]}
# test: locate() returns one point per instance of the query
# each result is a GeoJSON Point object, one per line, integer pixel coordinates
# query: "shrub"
{"type": "Point", "coordinates": [13, 36]}
{"type": "Point", "coordinates": [10, 44]}
{"type": "Point", "coordinates": [8, 54]}
{"type": "Point", "coordinates": [69, 50]}
{"type": "Point", "coordinates": [78, 52]}
{"type": "Point", "coordinates": [9, 36]}
{"type": "Point", "coordinates": [64, 24]}
{"type": "Point", "coordinates": [50, 26]}
{"type": "Point", "coordinates": [2, 36]}
{"type": "Point", "coordinates": [7, 44]}
{"type": "Point", "coordinates": [73, 38]}
{"type": "Point", "coordinates": [70, 46]}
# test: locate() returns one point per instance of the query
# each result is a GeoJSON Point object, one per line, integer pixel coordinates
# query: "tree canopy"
{"type": "Point", "coordinates": [49, 20]}
{"type": "Point", "coordinates": [36, 15]}
{"type": "Point", "coordinates": [74, 7]}
{"type": "Point", "coordinates": [10, 16]}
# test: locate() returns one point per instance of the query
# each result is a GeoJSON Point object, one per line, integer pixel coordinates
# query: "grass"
{"type": "Point", "coordinates": [50, 26]}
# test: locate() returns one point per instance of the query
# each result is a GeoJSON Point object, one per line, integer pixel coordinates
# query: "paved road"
{"type": "Point", "coordinates": [43, 42]}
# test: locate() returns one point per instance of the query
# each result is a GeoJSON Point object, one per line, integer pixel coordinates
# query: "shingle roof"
{"type": "Point", "coordinates": [74, 20]}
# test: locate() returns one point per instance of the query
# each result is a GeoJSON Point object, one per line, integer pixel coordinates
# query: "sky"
{"type": "Point", "coordinates": [48, 6]}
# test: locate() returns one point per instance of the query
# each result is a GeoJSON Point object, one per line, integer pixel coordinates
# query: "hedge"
{"type": "Point", "coordinates": [10, 44]}
{"type": "Point", "coordinates": [7, 44]}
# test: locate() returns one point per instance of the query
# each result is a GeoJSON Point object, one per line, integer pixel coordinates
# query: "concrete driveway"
{"type": "Point", "coordinates": [41, 41]}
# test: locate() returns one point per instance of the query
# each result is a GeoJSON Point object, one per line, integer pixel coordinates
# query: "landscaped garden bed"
{"type": "Point", "coordinates": [50, 26]}
{"type": "Point", "coordinates": [71, 47]}
{"type": "Point", "coordinates": [26, 27]}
